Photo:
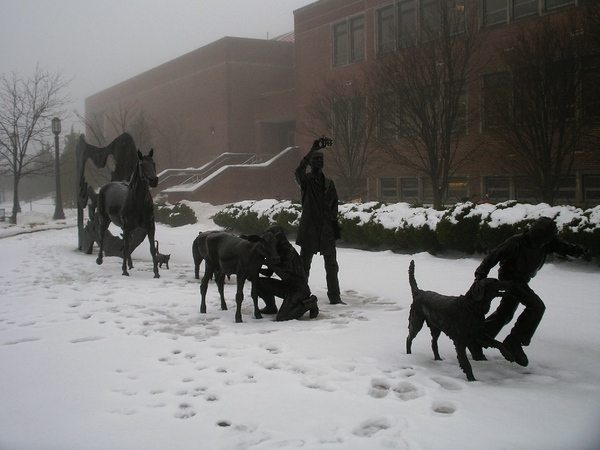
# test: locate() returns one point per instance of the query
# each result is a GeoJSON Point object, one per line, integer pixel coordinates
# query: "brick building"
{"type": "Point", "coordinates": [245, 96]}
{"type": "Point", "coordinates": [233, 95]}
{"type": "Point", "coordinates": [340, 39]}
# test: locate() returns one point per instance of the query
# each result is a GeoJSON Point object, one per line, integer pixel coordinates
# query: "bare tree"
{"type": "Point", "coordinates": [126, 117]}
{"type": "Point", "coordinates": [102, 129]}
{"type": "Point", "coordinates": [546, 98]}
{"type": "Point", "coordinates": [421, 85]}
{"type": "Point", "coordinates": [341, 109]}
{"type": "Point", "coordinates": [174, 142]}
{"type": "Point", "coordinates": [27, 105]}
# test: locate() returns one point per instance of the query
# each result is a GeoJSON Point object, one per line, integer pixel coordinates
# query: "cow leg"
{"type": "Point", "coordinates": [208, 272]}
{"type": "Point", "coordinates": [220, 280]}
{"type": "Point", "coordinates": [239, 298]}
{"type": "Point", "coordinates": [102, 227]}
{"type": "Point", "coordinates": [254, 294]}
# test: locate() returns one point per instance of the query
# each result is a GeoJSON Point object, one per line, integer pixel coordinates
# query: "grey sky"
{"type": "Point", "coordinates": [99, 43]}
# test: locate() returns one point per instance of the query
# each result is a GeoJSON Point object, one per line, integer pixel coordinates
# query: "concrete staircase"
{"type": "Point", "coordinates": [233, 177]}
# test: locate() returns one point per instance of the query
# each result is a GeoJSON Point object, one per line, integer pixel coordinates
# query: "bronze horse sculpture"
{"type": "Point", "coordinates": [130, 206]}
{"type": "Point", "coordinates": [123, 153]}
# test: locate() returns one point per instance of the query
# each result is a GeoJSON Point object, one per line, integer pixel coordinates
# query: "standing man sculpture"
{"type": "Point", "coordinates": [319, 229]}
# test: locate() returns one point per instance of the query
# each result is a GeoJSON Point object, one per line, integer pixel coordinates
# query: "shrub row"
{"type": "Point", "coordinates": [466, 227]}
{"type": "Point", "coordinates": [175, 215]}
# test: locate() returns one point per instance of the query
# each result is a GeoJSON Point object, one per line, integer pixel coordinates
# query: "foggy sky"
{"type": "Point", "coordinates": [99, 43]}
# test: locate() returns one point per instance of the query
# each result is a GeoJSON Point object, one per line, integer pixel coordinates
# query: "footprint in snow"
{"type": "Point", "coordinates": [369, 427]}
{"type": "Point", "coordinates": [447, 383]}
{"type": "Point", "coordinates": [442, 407]}
{"type": "Point", "coordinates": [185, 411]}
{"type": "Point", "coordinates": [404, 390]}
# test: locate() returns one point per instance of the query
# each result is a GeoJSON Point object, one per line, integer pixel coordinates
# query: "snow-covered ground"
{"type": "Point", "coordinates": [94, 360]}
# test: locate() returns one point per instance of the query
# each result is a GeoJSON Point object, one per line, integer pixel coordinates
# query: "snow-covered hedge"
{"type": "Point", "coordinates": [175, 215]}
{"type": "Point", "coordinates": [466, 227]}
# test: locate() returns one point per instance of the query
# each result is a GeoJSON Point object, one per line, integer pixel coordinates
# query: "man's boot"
{"type": "Point", "coordinates": [514, 345]}
{"type": "Point", "coordinates": [311, 305]}
{"type": "Point", "coordinates": [336, 300]}
{"type": "Point", "coordinates": [270, 306]}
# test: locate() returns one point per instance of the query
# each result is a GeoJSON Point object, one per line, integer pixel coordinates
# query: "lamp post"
{"type": "Point", "coordinates": [58, 210]}
{"type": "Point", "coordinates": [16, 206]}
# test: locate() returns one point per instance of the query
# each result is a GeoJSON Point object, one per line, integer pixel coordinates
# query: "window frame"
{"type": "Point", "coordinates": [348, 38]}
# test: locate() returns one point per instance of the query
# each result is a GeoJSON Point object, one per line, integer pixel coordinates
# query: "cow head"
{"type": "Point", "coordinates": [268, 248]}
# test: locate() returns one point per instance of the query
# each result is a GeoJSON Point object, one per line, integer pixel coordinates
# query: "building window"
{"type": "Point", "coordinates": [407, 21]}
{"type": "Point", "coordinates": [385, 30]}
{"type": "Point", "coordinates": [340, 44]}
{"type": "Point", "coordinates": [457, 16]}
{"type": "Point", "coordinates": [524, 8]}
{"type": "Point", "coordinates": [349, 41]}
{"type": "Point", "coordinates": [567, 190]}
{"type": "Point", "coordinates": [357, 39]}
{"type": "Point", "coordinates": [389, 188]}
{"type": "Point", "coordinates": [409, 190]}
{"type": "Point", "coordinates": [591, 189]}
{"type": "Point", "coordinates": [591, 90]}
{"type": "Point", "coordinates": [411, 20]}
{"type": "Point", "coordinates": [458, 189]}
{"type": "Point", "coordinates": [554, 4]}
{"type": "Point", "coordinates": [526, 191]}
{"type": "Point", "coordinates": [496, 189]}
{"type": "Point", "coordinates": [494, 12]}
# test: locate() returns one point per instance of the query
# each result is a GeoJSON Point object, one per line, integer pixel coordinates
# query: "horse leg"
{"type": "Point", "coordinates": [129, 260]}
{"type": "Point", "coordinates": [126, 251]}
{"type": "Point", "coordinates": [150, 231]}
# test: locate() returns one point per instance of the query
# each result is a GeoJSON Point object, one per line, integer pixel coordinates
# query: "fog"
{"type": "Point", "coordinates": [100, 44]}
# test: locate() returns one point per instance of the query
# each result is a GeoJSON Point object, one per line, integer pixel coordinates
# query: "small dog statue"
{"type": "Point", "coordinates": [160, 258]}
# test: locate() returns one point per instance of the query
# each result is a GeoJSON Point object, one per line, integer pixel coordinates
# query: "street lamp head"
{"type": "Point", "coordinates": [56, 126]}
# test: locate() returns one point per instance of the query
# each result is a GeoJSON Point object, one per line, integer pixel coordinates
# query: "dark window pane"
{"type": "Point", "coordinates": [409, 190]}
{"type": "Point", "coordinates": [340, 44]}
{"type": "Point", "coordinates": [357, 36]}
{"type": "Point", "coordinates": [524, 8]}
{"type": "Point", "coordinates": [553, 4]}
{"type": "Point", "coordinates": [389, 188]}
{"type": "Point", "coordinates": [407, 21]}
{"type": "Point", "coordinates": [385, 29]}
{"type": "Point", "coordinates": [494, 11]}
{"type": "Point", "coordinates": [497, 189]}
{"type": "Point", "coordinates": [591, 89]}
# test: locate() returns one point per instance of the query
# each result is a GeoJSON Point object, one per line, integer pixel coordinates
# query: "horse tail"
{"type": "Point", "coordinates": [101, 201]}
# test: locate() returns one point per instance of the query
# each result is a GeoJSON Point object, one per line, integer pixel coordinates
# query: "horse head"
{"type": "Point", "coordinates": [147, 169]}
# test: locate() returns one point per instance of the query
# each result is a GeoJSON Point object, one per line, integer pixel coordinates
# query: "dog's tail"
{"type": "Point", "coordinates": [411, 277]}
